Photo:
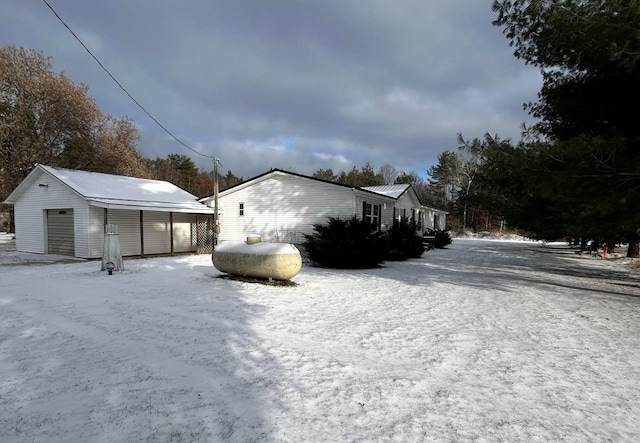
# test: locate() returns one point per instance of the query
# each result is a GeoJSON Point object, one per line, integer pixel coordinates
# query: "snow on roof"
{"type": "Point", "coordinates": [110, 191]}
{"type": "Point", "coordinates": [118, 187]}
{"type": "Point", "coordinates": [394, 191]}
{"type": "Point", "coordinates": [277, 172]}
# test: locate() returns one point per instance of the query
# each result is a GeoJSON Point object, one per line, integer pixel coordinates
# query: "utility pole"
{"type": "Point", "coordinates": [216, 213]}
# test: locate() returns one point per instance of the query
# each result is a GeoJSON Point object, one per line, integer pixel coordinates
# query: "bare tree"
{"type": "Point", "coordinates": [47, 118]}
{"type": "Point", "coordinates": [388, 173]}
{"type": "Point", "coordinates": [469, 154]}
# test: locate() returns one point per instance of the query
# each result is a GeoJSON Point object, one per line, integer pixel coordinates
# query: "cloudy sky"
{"type": "Point", "coordinates": [291, 84]}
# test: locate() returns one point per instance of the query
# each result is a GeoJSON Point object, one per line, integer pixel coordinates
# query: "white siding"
{"type": "Point", "coordinates": [441, 220]}
{"type": "Point", "coordinates": [373, 199]}
{"type": "Point", "coordinates": [128, 228]}
{"type": "Point", "coordinates": [409, 204]}
{"type": "Point", "coordinates": [96, 231]}
{"type": "Point", "coordinates": [283, 207]}
{"type": "Point", "coordinates": [45, 192]}
{"type": "Point", "coordinates": [183, 227]}
{"type": "Point", "coordinates": [157, 232]}
{"type": "Point", "coordinates": [406, 203]}
{"type": "Point", "coordinates": [30, 213]}
{"type": "Point", "coordinates": [428, 222]}
{"type": "Point", "coordinates": [433, 222]}
{"type": "Point", "coordinates": [435, 219]}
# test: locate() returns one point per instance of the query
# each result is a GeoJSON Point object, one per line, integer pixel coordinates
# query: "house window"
{"type": "Point", "coordinates": [241, 212]}
{"type": "Point", "coordinates": [371, 213]}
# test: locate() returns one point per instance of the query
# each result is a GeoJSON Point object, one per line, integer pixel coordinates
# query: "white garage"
{"type": "Point", "coordinates": [62, 211]}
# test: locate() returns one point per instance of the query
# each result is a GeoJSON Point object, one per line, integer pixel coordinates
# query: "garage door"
{"type": "Point", "coordinates": [60, 237]}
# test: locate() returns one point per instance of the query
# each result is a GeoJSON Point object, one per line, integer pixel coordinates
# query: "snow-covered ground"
{"type": "Point", "coordinates": [484, 341]}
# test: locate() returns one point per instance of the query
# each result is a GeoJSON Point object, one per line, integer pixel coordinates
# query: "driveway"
{"type": "Point", "coordinates": [10, 257]}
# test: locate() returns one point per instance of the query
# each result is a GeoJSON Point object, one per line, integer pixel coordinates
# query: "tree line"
{"type": "Point", "coordinates": [575, 174]}
{"type": "Point", "coordinates": [428, 191]}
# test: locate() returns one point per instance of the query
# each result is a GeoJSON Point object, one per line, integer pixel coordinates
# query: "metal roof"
{"type": "Point", "coordinates": [394, 191]}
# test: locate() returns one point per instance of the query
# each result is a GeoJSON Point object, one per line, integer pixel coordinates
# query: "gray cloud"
{"type": "Point", "coordinates": [295, 85]}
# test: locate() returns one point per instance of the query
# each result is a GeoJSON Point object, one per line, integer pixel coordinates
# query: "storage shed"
{"type": "Point", "coordinates": [63, 211]}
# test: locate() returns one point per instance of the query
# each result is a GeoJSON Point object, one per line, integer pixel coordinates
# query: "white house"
{"type": "Point", "coordinates": [62, 211]}
{"type": "Point", "coordinates": [408, 205]}
{"type": "Point", "coordinates": [281, 206]}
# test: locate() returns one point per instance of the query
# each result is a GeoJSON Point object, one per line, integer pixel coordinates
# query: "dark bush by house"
{"type": "Point", "coordinates": [403, 241]}
{"type": "Point", "coordinates": [347, 244]}
{"type": "Point", "coordinates": [443, 237]}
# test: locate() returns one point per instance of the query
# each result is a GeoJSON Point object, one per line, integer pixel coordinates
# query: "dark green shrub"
{"type": "Point", "coordinates": [345, 244]}
{"type": "Point", "coordinates": [403, 241]}
{"type": "Point", "coordinates": [443, 237]}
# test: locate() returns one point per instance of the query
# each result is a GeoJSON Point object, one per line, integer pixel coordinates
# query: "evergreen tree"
{"type": "Point", "coordinates": [589, 55]}
{"type": "Point", "coordinates": [325, 174]}
{"type": "Point", "coordinates": [403, 241]}
{"type": "Point", "coordinates": [348, 244]}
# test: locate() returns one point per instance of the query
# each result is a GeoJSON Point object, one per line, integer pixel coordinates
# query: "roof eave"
{"type": "Point", "coordinates": [273, 172]}
{"type": "Point", "coordinates": [31, 178]}
{"type": "Point", "coordinates": [158, 207]}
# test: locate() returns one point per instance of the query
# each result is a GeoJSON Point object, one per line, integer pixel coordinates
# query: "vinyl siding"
{"type": "Point", "coordinates": [157, 232]}
{"type": "Point", "coordinates": [128, 229]}
{"type": "Point", "coordinates": [282, 208]}
{"type": "Point", "coordinates": [406, 203]}
{"type": "Point", "coordinates": [440, 221]}
{"type": "Point", "coordinates": [409, 200]}
{"type": "Point", "coordinates": [409, 204]}
{"type": "Point", "coordinates": [156, 228]}
{"type": "Point", "coordinates": [30, 213]}
{"type": "Point", "coordinates": [428, 221]}
{"type": "Point", "coordinates": [385, 203]}
{"type": "Point", "coordinates": [89, 222]}
{"type": "Point", "coordinates": [183, 226]}
{"type": "Point", "coordinates": [96, 231]}
{"type": "Point", "coordinates": [433, 222]}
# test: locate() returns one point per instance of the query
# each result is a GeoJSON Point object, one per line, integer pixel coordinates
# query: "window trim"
{"type": "Point", "coordinates": [372, 214]}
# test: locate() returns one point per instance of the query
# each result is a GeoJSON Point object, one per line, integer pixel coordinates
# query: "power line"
{"type": "Point", "coordinates": [120, 85]}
